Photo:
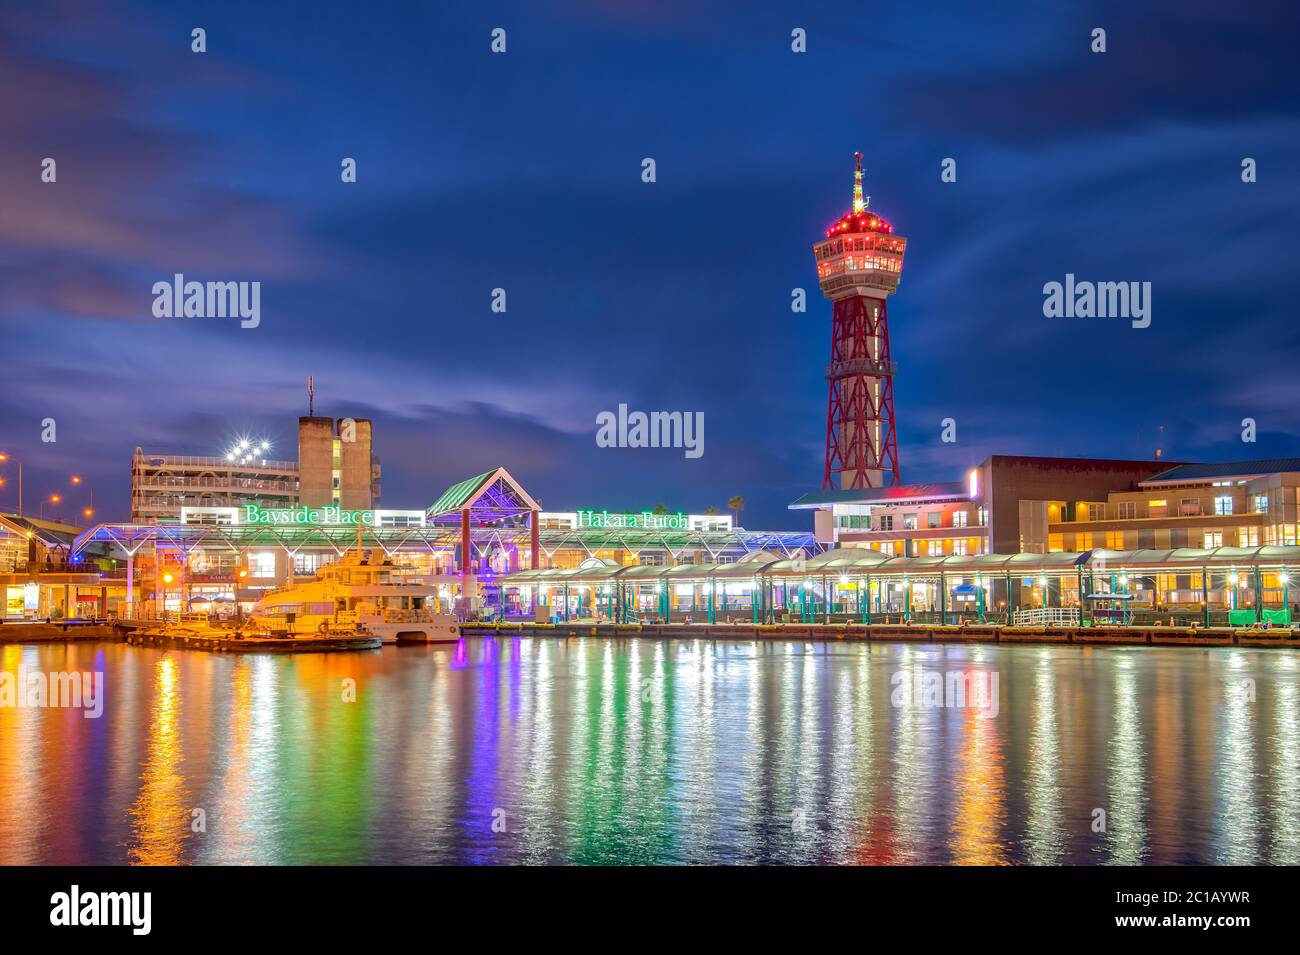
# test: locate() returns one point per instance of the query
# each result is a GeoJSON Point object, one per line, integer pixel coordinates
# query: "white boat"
{"type": "Point", "coordinates": [360, 594]}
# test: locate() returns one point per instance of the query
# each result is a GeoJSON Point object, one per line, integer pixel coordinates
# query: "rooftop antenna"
{"type": "Point", "coordinates": [311, 396]}
{"type": "Point", "coordinates": [859, 203]}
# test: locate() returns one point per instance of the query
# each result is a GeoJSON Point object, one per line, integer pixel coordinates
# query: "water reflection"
{"type": "Point", "coordinates": [516, 750]}
{"type": "Point", "coordinates": [161, 810]}
{"type": "Point", "coordinates": [1045, 839]}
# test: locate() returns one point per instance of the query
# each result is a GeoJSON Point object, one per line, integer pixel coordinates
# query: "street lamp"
{"type": "Point", "coordinates": [77, 480]}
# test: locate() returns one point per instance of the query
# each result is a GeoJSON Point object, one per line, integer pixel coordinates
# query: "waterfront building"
{"type": "Point", "coordinates": [223, 558]}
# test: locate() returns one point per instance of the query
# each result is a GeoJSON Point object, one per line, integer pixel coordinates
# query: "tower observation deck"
{"type": "Point", "coordinates": [858, 265]}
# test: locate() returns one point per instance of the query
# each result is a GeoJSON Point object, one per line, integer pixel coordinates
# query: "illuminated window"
{"type": "Point", "coordinates": [1248, 537]}
{"type": "Point", "coordinates": [1261, 503]}
{"type": "Point", "coordinates": [1083, 541]}
{"type": "Point", "coordinates": [307, 564]}
{"type": "Point", "coordinates": [1114, 540]}
{"type": "Point", "coordinates": [936, 548]}
{"type": "Point", "coordinates": [909, 522]}
{"type": "Point", "coordinates": [1212, 539]}
{"type": "Point", "coordinates": [1223, 504]}
{"type": "Point", "coordinates": [1127, 510]}
{"type": "Point", "coordinates": [959, 518]}
{"type": "Point", "coordinates": [1055, 543]}
{"type": "Point", "coordinates": [960, 547]}
{"type": "Point", "coordinates": [1157, 508]}
{"type": "Point", "coordinates": [1097, 512]}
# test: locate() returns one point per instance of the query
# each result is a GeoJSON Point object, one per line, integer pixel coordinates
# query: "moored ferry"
{"type": "Point", "coordinates": [358, 593]}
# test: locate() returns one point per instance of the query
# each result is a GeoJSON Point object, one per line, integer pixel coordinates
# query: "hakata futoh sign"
{"type": "Point", "coordinates": [646, 519]}
{"type": "Point", "coordinates": [307, 516]}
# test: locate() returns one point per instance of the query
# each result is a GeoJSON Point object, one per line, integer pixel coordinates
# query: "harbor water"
{"type": "Point", "coordinates": [513, 750]}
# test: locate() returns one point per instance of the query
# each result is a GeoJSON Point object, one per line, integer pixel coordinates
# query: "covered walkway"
{"type": "Point", "coordinates": [1226, 586]}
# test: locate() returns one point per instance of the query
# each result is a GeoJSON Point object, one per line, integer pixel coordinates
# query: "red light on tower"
{"type": "Point", "coordinates": [858, 265]}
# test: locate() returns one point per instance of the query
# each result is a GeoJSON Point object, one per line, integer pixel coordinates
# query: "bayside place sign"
{"type": "Point", "coordinates": [307, 516]}
{"type": "Point", "coordinates": [646, 520]}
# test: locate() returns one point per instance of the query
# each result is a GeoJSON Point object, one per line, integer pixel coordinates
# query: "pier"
{"type": "Point", "coordinates": [901, 633]}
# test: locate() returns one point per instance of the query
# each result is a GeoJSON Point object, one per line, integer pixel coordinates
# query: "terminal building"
{"type": "Point", "coordinates": [223, 557]}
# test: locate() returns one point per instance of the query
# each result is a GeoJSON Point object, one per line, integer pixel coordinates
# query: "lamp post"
{"type": "Point", "coordinates": [164, 580]}
{"type": "Point", "coordinates": [1283, 578]}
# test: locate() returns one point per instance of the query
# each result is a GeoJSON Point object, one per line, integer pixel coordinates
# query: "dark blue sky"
{"type": "Point", "coordinates": [522, 171]}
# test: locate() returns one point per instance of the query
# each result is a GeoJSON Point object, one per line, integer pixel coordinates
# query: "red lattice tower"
{"type": "Point", "coordinates": [858, 265]}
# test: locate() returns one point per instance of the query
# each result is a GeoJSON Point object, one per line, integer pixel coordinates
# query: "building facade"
{"type": "Point", "coordinates": [1000, 507]}
{"type": "Point", "coordinates": [1236, 504]}
{"type": "Point", "coordinates": [336, 467]}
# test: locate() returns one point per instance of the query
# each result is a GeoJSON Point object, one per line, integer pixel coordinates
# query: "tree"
{"type": "Point", "coordinates": [736, 504]}
{"type": "Point", "coordinates": [710, 510]}
{"type": "Point", "coordinates": [661, 509]}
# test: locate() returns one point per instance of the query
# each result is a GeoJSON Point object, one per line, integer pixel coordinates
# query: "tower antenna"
{"type": "Point", "coordinates": [859, 203]}
{"type": "Point", "coordinates": [311, 396]}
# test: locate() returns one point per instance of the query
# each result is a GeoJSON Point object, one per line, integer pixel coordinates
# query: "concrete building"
{"type": "Point", "coordinates": [337, 466]}
{"type": "Point", "coordinates": [316, 455]}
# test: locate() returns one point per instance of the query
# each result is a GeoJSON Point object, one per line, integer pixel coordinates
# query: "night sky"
{"type": "Point", "coordinates": [523, 171]}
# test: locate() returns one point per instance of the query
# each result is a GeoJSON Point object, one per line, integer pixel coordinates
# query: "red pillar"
{"type": "Point", "coordinates": [466, 561]}
{"type": "Point", "coordinates": [535, 539]}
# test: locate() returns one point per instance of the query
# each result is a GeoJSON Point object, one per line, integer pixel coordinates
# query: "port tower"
{"type": "Point", "coordinates": [859, 263]}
